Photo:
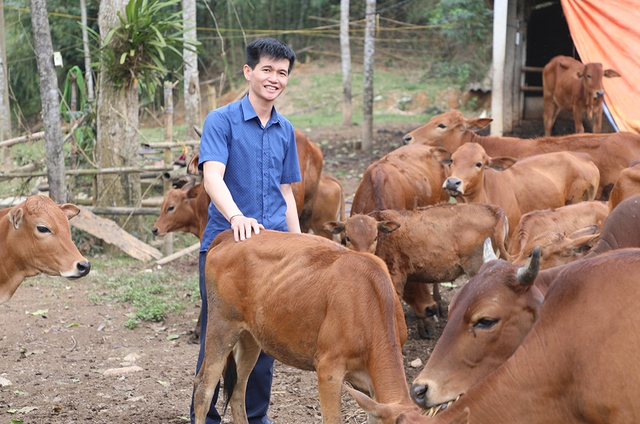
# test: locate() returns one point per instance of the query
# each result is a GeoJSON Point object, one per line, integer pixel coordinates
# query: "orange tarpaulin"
{"type": "Point", "coordinates": [609, 32]}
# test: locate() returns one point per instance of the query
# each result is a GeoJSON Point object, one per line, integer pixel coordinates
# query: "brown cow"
{"type": "Point", "coordinates": [427, 245]}
{"type": "Point", "coordinates": [610, 152]}
{"type": "Point", "coordinates": [310, 159]}
{"type": "Point", "coordinates": [565, 219]}
{"type": "Point", "coordinates": [627, 185]}
{"type": "Point", "coordinates": [570, 85]}
{"type": "Point", "coordinates": [36, 239]}
{"type": "Point", "coordinates": [329, 205]}
{"type": "Point", "coordinates": [405, 178]}
{"type": "Point", "coordinates": [569, 368]}
{"type": "Point", "coordinates": [311, 304]}
{"type": "Point", "coordinates": [537, 182]}
{"type": "Point", "coordinates": [621, 228]}
{"type": "Point", "coordinates": [183, 209]}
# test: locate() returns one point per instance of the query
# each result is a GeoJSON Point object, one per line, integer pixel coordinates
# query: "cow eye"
{"type": "Point", "coordinates": [42, 229]}
{"type": "Point", "coordinates": [588, 75]}
{"type": "Point", "coordinates": [479, 165]}
{"type": "Point", "coordinates": [486, 323]}
{"type": "Point", "coordinates": [170, 208]}
{"type": "Point", "coordinates": [443, 126]}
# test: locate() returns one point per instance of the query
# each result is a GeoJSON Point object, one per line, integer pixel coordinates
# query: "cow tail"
{"type": "Point", "coordinates": [230, 380]}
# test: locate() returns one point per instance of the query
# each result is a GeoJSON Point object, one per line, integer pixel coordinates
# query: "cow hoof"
{"type": "Point", "coordinates": [443, 311]}
{"type": "Point", "coordinates": [426, 329]}
{"type": "Point", "coordinates": [194, 339]}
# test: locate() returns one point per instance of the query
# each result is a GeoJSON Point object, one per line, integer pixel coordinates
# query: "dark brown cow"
{"type": "Point", "coordinates": [351, 329]}
{"type": "Point", "coordinates": [329, 205]}
{"type": "Point", "coordinates": [610, 152]}
{"type": "Point", "coordinates": [621, 228]}
{"type": "Point", "coordinates": [569, 368]}
{"type": "Point", "coordinates": [403, 179]}
{"type": "Point", "coordinates": [627, 185]}
{"type": "Point", "coordinates": [565, 219]}
{"type": "Point", "coordinates": [427, 245]}
{"type": "Point", "coordinates": [35, 238]}
{"type": "Point", "coordinates": [310, 159]}
{"type": "Point", "coordinates": [537, 182]}
{"type": "Point", "coordinates": [571, 85]}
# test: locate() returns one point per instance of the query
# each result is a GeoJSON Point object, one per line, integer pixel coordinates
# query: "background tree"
{"type": "Point", "coordinates": [5, 115]}
{"type": "Point", "coordinates": [191, 90]}
{"type": "Point", "coordinates": [50, 101]}
{"type": "Point", "coordinates": [345, 54]}
{"type": "Point", "coordinates": [367, 99]}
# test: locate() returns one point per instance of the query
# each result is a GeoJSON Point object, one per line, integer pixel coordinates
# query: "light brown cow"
{"type": "Point", "coordinates": [329, 205]}
{"type": "Point", "coordinates": [310, 159]}
{"type": "Point", "coordinates": [627, 185]}
{"type": "Point", "coordinates": [581, 371]}
{"type": "Point", "coordinates": [571, 85]}
{"type": "Point", "coordinates": [610, 152]}
{"type": "Point", "coordinates": [427, 245]}
{"type": "Point", "coordinates": [403, 179]}
{"type": "Point", "coordinates": [311, 304]}
{"type": "Point", "coordinates": [538, 182]}
{"type": "Point", "coordinates": [183, 209]}
{"type": "Point", "coordinates": [35, 238]}
{"type": "Point", "coordinates": [565, 219]}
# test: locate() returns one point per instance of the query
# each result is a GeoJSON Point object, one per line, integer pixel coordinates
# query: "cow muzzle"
{"type": "Point", "coordinates": [406, 139]}
{"type": "Point", "coordinates": [419, 396]}
{"type": "Point", "coordinates": [453, 186]}
{"type": "Point", "coordinates": [599, 94]}
{"type": "Point", "coordinates": [81, 269]}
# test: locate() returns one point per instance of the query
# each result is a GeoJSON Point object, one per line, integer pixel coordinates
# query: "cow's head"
{"type": "Point", "coordinates": [360, 232]}
{"type": "Point", "coordinates": [38, 240]}
{"type": "Point", "coordinates": [558, 249]}
{"type": "Point", "coordinates": [488, 319]}
{"type": "Point", "coordinates": [176, 214]}
{"type": "Point", "coordinates": [466, 168]}
{"type": "Point", "coordinates": [449, 130]}
{"type": "Point", "coordinates": [591, 76]}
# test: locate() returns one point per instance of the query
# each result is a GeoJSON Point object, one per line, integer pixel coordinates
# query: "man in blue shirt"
{"type": "Point", "coordinates": [249, 160]}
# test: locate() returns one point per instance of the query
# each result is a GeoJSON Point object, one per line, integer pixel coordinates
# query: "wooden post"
{"type": "Point", "coordinates": [211, 97]}
{"type": "Point", "coordinates": [168, 137]}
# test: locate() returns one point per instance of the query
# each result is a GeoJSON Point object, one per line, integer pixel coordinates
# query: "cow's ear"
{"type": "Point", "coordinates": [611, 73]}
{"type": "Point", "coordinates": [478, 123]}
{"type": "Point", "coordinates": [387, 227]}
{"type": "Point", "coordinates": [70, 210]}
{"type": "Point", "coordinates": [579, 74]}
{"type": "Point", "coordinates": [15, 217]}
{"type": "Point", "coordinates": [442, 155]}
{"type": "Point", "coordinates": [194, 191]}
{"type": "Point", "coordinates": [502, 163]}
{"type": "Point", "coordinates": [334, 227]}
{"type": "Point", "coordinates": [586, 231]}
{"type": "Point", "coordinates": [189, 185]}
{"type": "Point", "coordinates": [584, 244]}
{"type": "Point", "coordinates": [192, 167]}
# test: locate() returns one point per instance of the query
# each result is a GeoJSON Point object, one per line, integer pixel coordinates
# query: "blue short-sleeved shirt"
{"type": "Point", "coordinates": [258, 159]}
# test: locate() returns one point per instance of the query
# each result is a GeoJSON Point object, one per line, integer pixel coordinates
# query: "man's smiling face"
{"type": "Point", "coordinates": [269, 78]}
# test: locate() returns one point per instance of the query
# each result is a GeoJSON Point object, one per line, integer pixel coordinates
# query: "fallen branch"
{"type": "Point", "coordinates": [178, 254]}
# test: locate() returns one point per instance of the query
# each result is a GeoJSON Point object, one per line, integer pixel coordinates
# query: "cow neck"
{"type": "Point", "coordinates": [11, 271]}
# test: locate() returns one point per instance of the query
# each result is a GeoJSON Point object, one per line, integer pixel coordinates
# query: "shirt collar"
{"type": "Point", "coordinates": [249, 112]}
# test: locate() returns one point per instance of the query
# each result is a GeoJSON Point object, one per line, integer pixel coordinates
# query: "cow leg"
{"type": "Point", "coordinates": [220, 339]}
{"type": "Point", "coordinates": [418, 297]}
{"type": "Point", "coordinates": [331, 371]}
{"type": "Point", "coordinates": [442, 310]}
{"type": "Point", "coordinates": [597, 126]}
{"type": "Point", "coordinates": [551, 111]}
{"type": "Point", "coordinates": [195, 337]}
{"type": "Point", "coordinates": [577, 119]}
{"type": "Point", "coordinates": [246, 354]}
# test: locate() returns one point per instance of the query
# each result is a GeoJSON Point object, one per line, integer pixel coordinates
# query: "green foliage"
{"type": "Point", "coordinates": [134, 52]}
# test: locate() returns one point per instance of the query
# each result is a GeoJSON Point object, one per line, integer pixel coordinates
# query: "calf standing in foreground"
{"type": "Point", "coordinates": [426, 245]}
{"type": "Point", "coordinates": [568, 84]}
{"type": "Point", "coordinates": [570, 368]}
{"type": "Point", "coordinates": [35, 238]}
{"type": "Point", "coordinates": [309, 303]}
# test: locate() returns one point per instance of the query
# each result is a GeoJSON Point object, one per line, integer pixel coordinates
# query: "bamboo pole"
{"type": "Point", "coordinates": [103, 171]}
{"type": "Point", "coordinates": [168, 159]}
{"type": "Point", "coordinates": [122, 210]}
{"type": "Point", "coordinates": [178, 254]}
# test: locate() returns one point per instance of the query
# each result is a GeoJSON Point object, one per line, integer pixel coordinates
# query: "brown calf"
{"type": "Point", "coordinates": [627, 185]}
{"type": "Point", "coordinates": [35, 238]}
{"type": "Point", "coordinates": [329, 205]}
{"type": "Point", "coordinates": [427, 245]}
{"type": "Point", "coordinates": [610, 152]}
{"type": "Point", "coordinates": [568, 84]}
{"type": "Point", "coordinates": [183, 209]}
{"type": "Point", "coordinates": [310, 303]}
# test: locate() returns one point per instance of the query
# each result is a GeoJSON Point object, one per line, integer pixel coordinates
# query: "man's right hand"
{"type": "Point", "coordinates": [242, 227]}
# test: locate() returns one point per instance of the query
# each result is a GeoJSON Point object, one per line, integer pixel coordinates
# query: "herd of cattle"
{"type": "Point", "coordinates": [545, 330]}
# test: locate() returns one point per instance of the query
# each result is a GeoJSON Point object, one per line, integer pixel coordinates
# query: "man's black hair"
{"type": "Point", "coordinates": [270, 47]}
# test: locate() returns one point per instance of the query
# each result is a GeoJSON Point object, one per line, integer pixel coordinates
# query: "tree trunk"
{"type": "Point", "coordinates": [345, 51]}
{"type": "Point", "coordinates": [117, 136]}
{"type": "Point", "coordinates": [50, 101]}
{"type": "Point", "coordinates": [192, 108]}
{"type": "Point", "coordinates": [367, 100]}
{"type": "Point", "coordinates": [88, 76]}
{"type": "Point", "coordinates": [5, 111]}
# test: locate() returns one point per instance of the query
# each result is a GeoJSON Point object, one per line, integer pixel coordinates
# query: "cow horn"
{"type": "Point", "coordinates": [488, 254]}
{"type": "Point", "coordinates": [528, 273]}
